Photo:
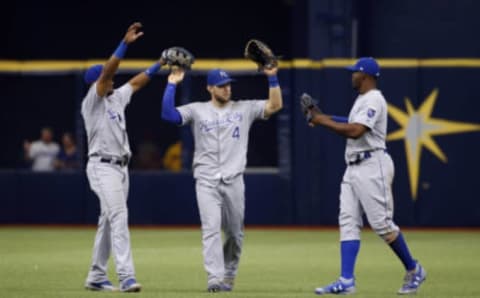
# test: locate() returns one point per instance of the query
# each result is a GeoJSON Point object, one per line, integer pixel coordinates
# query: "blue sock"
{"type": "Point", "coordinates": [349, 250]}
{"type": "Point", "coordinates": [399, 246]}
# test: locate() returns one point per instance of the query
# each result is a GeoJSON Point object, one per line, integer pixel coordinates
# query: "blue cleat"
{"type": "Point", "coordinates": [130, 285]}
{"type": "Point", "coordinates": [339, 287]}
{"type": "Point", "coordinates": [413, 280]}
{"type": "Point", "coordinates": [105, 286]}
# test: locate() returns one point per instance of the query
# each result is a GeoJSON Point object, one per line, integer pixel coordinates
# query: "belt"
{"type": "Point", "coordinates": [363, 156]}
{"type": "Point", "coordinates": [122, 161]}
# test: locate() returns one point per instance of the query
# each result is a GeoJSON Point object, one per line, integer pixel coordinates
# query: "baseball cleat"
{"type": "Point", "coordinates": [130, 285]}
{"type": "Point", "coordinates": [413, 280]}
{"type": "Point", "coordinates": [339, 287]}
{"type": "Point", "coordinates": [105, 286]}
{"type": "Point", "coordinates": [222, 287]}
{"type": "Point", "coordinates": [214, 288]}
{"type": "Point", "coordinates": [227, 284]}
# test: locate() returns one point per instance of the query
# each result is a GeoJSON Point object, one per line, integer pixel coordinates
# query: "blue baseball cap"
{"type": "Point", "coordinates": [218, 77]}
{"type": "Point", "coordinates": [92, 73]}
{"type": "Point", "coordinates": [366, 65]}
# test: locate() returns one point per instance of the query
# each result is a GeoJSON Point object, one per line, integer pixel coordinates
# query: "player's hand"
{"type": "Point", "coordinates": [133, 33]}
{"type": "Point", "coordinates": [176, 75]}
{"type": "Point", "coordinates": [162, 61]}
{"type": "Point", "coordinates": [270, 71]}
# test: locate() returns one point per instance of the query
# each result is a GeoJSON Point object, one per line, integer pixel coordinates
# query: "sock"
{"type": "Point", "coordinates": [349, 250]}
{"type": "Point", "coordinates": [399, 246]}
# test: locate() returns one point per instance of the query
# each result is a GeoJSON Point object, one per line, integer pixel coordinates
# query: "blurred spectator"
{"type": "Point", "coordinates": [68, 157]}
{"type": "Point", "coordinates": [42, 153]}
{"type": "Point", "coordinates": [148, 153]}
{"type": "Point", "coordinates": [172, 160]}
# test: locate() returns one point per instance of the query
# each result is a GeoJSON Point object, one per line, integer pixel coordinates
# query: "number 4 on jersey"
{"type": "Point", "coordinates": [236, 133]}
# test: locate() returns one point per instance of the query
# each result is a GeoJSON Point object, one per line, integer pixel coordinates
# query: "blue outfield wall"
{"type": "Point", "coordinates": [155, 198]}
{"type": "Point", "coordinates": [445, 96]}
{"type": "Point", "coordinates": [438, 187]}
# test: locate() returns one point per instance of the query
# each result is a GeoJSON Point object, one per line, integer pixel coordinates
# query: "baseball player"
{"type": "Point", "coordinates": [366, 185]}
{"type": "Point", "coordinates": [103, 111]}
{"type": "Point", "coordinates": [220, 128]}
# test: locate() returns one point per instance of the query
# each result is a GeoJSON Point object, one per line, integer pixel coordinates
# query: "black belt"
{"type": "Point", "coordinates": [119, 162]}
{"type": "Point", "coordinates": [123, 161]}
{"type": "Point", "coordinates": [363, 155]}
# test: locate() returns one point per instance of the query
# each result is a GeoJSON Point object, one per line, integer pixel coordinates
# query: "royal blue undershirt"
{"type": "Point", "coordinates": [169, 112]}
{"type": "Point", "coordinates": [340, 119]}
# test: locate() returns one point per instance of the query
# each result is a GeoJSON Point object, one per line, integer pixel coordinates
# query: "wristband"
{"type": "Point", "coordinates": [273, 81]}
{"type": "Point", "coordinates": [121, 49]}
{"type": "Point", "coordinates": [152, 70]}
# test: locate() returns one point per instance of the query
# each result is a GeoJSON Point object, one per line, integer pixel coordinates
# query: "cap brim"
{"type": "Point", "coordinates": [224, 82]}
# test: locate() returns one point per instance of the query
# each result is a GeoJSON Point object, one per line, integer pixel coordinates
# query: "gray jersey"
{"type": "Point", "coordinates": [369, 109]}
{"type": "Point", "coordinates": [221, 136]}
{"type": "Point", "coordinates": [105, 122]}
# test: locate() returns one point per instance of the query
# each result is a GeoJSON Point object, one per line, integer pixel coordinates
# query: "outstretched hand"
{"type": "Point", "coordinates": [176, 75]}
{"type": "Point", "coordinates": [309, 108]}
{"type": "Point", "coordinates": [133, 33]}
{"type": "Point", "coordinates": [270, 71]}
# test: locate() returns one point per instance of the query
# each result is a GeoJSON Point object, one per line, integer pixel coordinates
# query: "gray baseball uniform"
{"type": "Point", "coordinates": [107, 173]}
{"type": "Point", "coordinates": [366, 185]}
{"type": "Point", "coordinates": [221, 142]}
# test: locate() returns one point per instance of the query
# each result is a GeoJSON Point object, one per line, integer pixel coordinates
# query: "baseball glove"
{"type": "Point", "coordinates": [261, 54]}
{"type": "Point", "coordinates": [178, 56]}
{"type": "Point", "coordinates": [309, 106]}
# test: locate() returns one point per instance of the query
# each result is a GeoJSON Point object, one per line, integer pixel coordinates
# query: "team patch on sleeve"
{"type": "Point", "coordinates": [371, 113]}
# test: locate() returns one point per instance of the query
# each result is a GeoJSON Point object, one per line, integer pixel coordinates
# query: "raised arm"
{"type": "Point", "coordinates": [104, 82]}
{"type": "Point", "coordinates": [275, 100]}
{"type": "Point", "coordinates": [140, 80]}
{"type": "Point", "coordinates": [169, 112]}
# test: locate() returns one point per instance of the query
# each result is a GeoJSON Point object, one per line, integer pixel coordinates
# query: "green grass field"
{"type": "Point", "coordinates": [53, 262]}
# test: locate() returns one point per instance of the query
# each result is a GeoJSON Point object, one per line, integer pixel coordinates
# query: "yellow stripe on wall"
{"type": "Point", "coordinates": [13, 66]}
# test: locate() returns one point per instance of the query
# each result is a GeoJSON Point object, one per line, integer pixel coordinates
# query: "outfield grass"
{"type": "Point", "coordinates": [53, 262]}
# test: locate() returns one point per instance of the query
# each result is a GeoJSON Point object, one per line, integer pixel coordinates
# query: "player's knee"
{"type": "Point", "coordinates": [350, 227]}
{"type": "Point", "coordinates": [117, 212]}
{"type": "Point", "coordinates": [236, 235]}
{"type": "Point", "coordinates": [211, 227]}
{"type": "Point", "coordinates": [390, 237]}
{"type": "Point", "coordinates": [350, 231]}
{"type": "Point", "coordinates": [387, 231]}
{"type": "Point", "coordinates": [210, 233]}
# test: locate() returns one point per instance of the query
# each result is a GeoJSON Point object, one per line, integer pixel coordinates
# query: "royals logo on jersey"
{"type": "Point", "coordinates": [371, 113]}
{"type": "Point", "coordinates": [114, 115]}
{"type": "Point", "coordinates": [229, 119]}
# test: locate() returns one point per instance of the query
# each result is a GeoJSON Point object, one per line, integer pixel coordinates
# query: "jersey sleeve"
{"type": "Point", "coordinates": [187, 113]}
{"type": "Point", "coordinates": [125, 92]}
{"type": "Point", "coordinates": [368, 112]}
{"type": "Point", "coordinates": [257, 109]}
{"type": "Point", "coordinates": [91, 99]}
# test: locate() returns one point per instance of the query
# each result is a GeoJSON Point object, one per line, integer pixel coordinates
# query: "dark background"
{"type": "Point", "coordinates": [310, 162]}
